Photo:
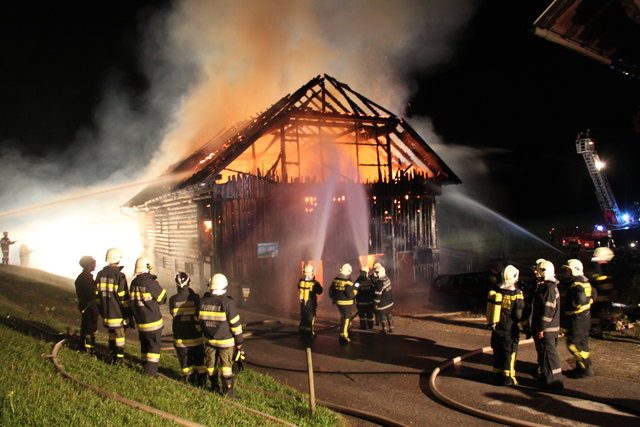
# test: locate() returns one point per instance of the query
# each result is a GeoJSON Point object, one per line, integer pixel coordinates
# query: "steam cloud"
{"type": "Point", "coordinates": [210, 64]}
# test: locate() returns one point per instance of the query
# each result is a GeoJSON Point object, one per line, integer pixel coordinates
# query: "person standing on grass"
{"type": "Point", "coordinates": [112, 294]}
{"type": "Point", "coordinates": [222, 332]}
{"type": "Point", "coordinates": [187, 333]}
{"type": "Point", "coordinates": [87, 304]}
{"type": "Point", "coordinates": [146, 297]}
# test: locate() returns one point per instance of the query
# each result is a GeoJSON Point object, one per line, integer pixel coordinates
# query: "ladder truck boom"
{"type": "Point", "coordinates": [585, 145]}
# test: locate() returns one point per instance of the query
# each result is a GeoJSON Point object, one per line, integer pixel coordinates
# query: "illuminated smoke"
{"type": "Point", "coordinates": [210, 64]}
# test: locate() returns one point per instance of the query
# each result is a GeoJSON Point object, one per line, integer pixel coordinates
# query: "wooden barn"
{"type": "Point", "coordinates": [324, 175]}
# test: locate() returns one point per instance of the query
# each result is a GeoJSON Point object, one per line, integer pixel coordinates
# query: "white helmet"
{"type": "Point", "coordinates": [545, 270]}
{"type": "Point", "coordinates": [346, 269]}
{"type": "Point", "coordinates": [380, 271]}
{"type": "Point", "coordinates": [308, 270]}
{"type": "Point", "coordinates": [602, 254]}
{"type": "Point", "coordinates": [182, 279]}
{"type": "Point", "coordinates": [142, 266]}
{"type": "Point", "coordinates": [376, 265]}
{"type": "Point", "coordinates": [576, 267]}
{"type": "Point", "coordinates": [113, 256]}
{"type": "Point", "coordinates": [510, 274]}
{"type": "Point", "coordinates": [218, 282]}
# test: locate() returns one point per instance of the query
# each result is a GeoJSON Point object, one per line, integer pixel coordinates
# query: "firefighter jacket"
{"type": "Point", "coordinates": [4, 243]}
{"type": "Point", "coordinates": [186, 328]}
{"type": "Point", "coordinates": [366, 291]}
{"type": "Point", "coordinates": [579, 296]}
{"type": "Point", "coordinates": [85, 290]}
{"type": "Point", "coordinates": [220, 321]}
{"type": "Point", "coordinates": [342, 291]}
{"type": "Point", "coordinates": [112, 296]}
{"type": "Point", "coordinates": [383, 299]}
{"type": "Point", "coordinates": [546, 309]}
{"type": "Point", "coordinates": [505, 309]}
{"type": "Point", "coordinates": [146, 297]}
{"type": "Point", "coordinates": [604, 286]}
{"type": "Point", "coordinates": [309, 289]}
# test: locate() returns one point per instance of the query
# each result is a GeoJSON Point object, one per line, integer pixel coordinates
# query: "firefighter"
{"type": "Point", "coordinates": [308, 289]}
{"type": "Point", "coordinates": [146, 297]}
{"type": "Point", "coordinates": [112, 295]}
{"type": "Point", "coordinates": [187, 334]}
{"type": "Point", "coordinates": [5, 244]}
{"type": "Point", "coordinates": [577, 307]}
{"type": "Point", "coordinates": [342, 293]}
{"type": "Point", "coordinates": [222, 331]}
{"type": "Point", "coordinates": [545, 325]}
{"type": "Point", "coordinates": [25, 255]}
{"type": "Point", "coordinates": [383, 300]}
{"type": "Point", "coordinates": [87, 304]}
{"type": "Point", "coordinates": [505, 307]}
{"type": "Point", "coordinates": [603, 286]}
{"type": "Point", "coordinates": [364, 298]}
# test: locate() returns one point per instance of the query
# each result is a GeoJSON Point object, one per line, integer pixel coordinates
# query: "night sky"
{"type": "Point", "coordinates": [517, 97]}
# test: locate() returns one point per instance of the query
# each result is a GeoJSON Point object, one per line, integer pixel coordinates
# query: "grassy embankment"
{"type": "Point", "coordinates": [32, 392]}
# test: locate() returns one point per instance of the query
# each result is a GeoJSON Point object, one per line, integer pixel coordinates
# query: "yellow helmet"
{"type": "Point", "coordinates": [308, 270]}
{"type": "Point", "coordinates": [577, 269]}
{"type": "Point", "coordinates": [510, 274]}
{"type": "Point", "coordinates": [113, 256]}
{"type": "Point", "coordinates": [545, 270]}
{"type": "Point", "coordinates": [602, 254]}
{"type": "Point", "coordinates": [346, 269]}
{"type": "Point", "coordinates": [142, 266]}
{"type": "Point", "coordinates": [218, 282]}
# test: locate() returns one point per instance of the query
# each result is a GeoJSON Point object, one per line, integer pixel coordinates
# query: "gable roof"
{"type": "Point", "coordinates": [322, 102]}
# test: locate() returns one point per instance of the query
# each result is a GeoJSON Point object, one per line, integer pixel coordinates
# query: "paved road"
{"type": "Point", "coordinates": [388, 374]}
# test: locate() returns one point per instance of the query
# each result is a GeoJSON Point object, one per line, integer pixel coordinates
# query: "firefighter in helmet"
{"type": "Point", "coordinates": [222, 332]}
{"type": "Point", "coordinates": [187, 335]}
{"type": "Point", "coordinates": [146, 297]}
{"type": "Point", "coordinates": [577, 308]}
{"type": "Point", "coordinates": [342, 293]}
{"type": "Point", "coordinates": [504, 311]}
{"type": "Point", "coordinates": [545, 325]}
{"type": "Point", "coordinates": [604, 287]}
{"type": "Point", "coordinates": [308, 290]}
{"type": "Point", "coordinates": [5, 244]}
{"type": "Point", "coordinates": [113, 299]}
{"type": "Point", "coordinates": [364, 299]}
{"type": "Point", "coordinates": [86, 293]}
{"type": "Point", "coordinates": [383, 299]}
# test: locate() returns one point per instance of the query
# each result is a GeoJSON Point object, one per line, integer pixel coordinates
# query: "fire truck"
{"type": "Point", "coordinates": [620, 229]}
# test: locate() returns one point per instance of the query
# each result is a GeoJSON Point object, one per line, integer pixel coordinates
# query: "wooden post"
{"type": "Point", "coordinates": [312, 388]}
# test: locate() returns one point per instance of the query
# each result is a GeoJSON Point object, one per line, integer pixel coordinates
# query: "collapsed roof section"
{"type": "Point", "coordinates": [323, 131]}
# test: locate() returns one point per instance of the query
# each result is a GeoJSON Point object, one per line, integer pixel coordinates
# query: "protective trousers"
{"type": "Point", "coordinates": [345, 321]}
{"type": "Point", "coordinates": [88, 328]}
{"type": "Point", "coordinates": [116, 345]}
{"type": "Point", "coordinates": [222, 357]}
{"type": "Point", "coordinates": [150, 350]}
{"type": "Point", "coordinates": [191, 359]}
{"type": "Point", "coordinates": [365, 312]}
{"type": "Point", "coordinates": [578, 339]}
{"type": "Point", "coordinates": [307, 317]}
{"type": "Point", "coordinates": [505, 349]}
{"type": "Point", "coordinates": [385, 319]}
{"type": "Point", "coordinates": [548, 361]}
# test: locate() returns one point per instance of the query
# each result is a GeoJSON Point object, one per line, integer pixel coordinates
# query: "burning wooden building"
{"type": "Point", "coordinates": [324, 175]}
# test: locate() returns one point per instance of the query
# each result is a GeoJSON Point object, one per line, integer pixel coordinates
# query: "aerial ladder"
{"type": "Point", "coordinates": [586, 146]}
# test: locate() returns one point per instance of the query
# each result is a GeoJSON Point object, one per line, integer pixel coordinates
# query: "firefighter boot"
{"type": "Point", "coordinates": [215, 386]}
{"type": "Point", "coordinates": [383, 323]}
{"type": "Point", "coordinates": [201, 380]}
{"type": "Point", "coordinates": [227, 387]}
{"type": "Point", "coordinates": [390, 325]}
{"type": "Point", "coordinates": [188, 378]}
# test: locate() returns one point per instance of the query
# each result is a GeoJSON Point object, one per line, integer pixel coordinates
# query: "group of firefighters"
{"type": "Point", "coordinates": [537, 313]}
{"type": "Point", "coordinates": [370, 294]}
{"type": "Point", "coordinates": [207, 334]}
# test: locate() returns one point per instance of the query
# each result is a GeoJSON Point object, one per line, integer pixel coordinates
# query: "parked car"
{"type": "Point", "coordinates": [468, 291]}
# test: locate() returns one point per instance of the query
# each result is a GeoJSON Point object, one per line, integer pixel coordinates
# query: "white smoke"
{"type": "Point", "coordinates": [208, 65]}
